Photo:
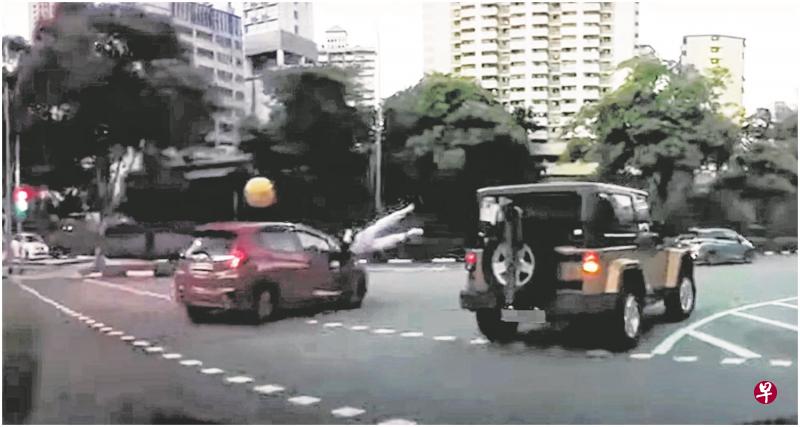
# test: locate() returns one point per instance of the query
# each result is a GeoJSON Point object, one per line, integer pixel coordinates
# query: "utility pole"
{"type": "Point", "coordinates": [8, 184]}
{"type": "Point", "coordinates": [379, 126]}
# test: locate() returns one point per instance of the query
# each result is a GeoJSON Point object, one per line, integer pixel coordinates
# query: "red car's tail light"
{"type": "Point", "coordinates": [591, 262]}
{"type": "Point", "coordinates": [239, 257]}
{"type": "Point", "coordinates": [470, 260]}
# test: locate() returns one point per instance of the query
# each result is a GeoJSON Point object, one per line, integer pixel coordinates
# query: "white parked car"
{"type": "Point", "coordinates": [29, 246]}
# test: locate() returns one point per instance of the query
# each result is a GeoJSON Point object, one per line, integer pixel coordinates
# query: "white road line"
{"type": "Point", "coordinates": [312, 322]}
{"type": "Point", "coordinates": [359, 328]}
{"type": "Point", "coordinates": [347, 412]}
{"type": "Point", "coordinates": [684, 359]}
{"type": "Point", "coordinates": [783, 304]}
{"type": "Point", "coordinates": [641, 356]}
{"type": "Point", "coordinates": [128, 289]}
{"type": "Point", "coordinates": [304, 400]}
{"type": "Point", "coordinates": [397, 422]}
{"type": "Point", "coordinates": [332, 325]}
{"type": "Point", "coordinates": [732, 361]}
{"type": "Point", "coordinates": [191, 362]}
{"type": "Point", "coordinates": [400, 261]}
{"type": "Point", "coordinates": [444, 338]}
{"type": "Point", "coordinates": [115, 333]}
{"type": "Point", "coordinates": [268, 389]}
{"type": "Point", "coordinates": [782, 363]}
{"type": "Point", "coordinates": [411, 334]}
{"type": "Point", "coordinates": [140, 273]}
{"type": "Point", "coordinates": [83, 318]}
{"type": "Point", "coordinates": [99, 325]}
{"type": "Point", "coordinates": [670, 341]}
{"type": "Point", "coordinates": [212, 371]}
{"type": "Point", "coordinates": [767, 321]}
{"type": "Point", "coordinates": [141, 343]}
{"type": "Point", "coordinates": [769, 253]}
{"type": "Point", "coordinates": [90, 322]}
{"type": "Point", "coordinates": [172, 356]}
{"type": "Point", "coordinates": [238, 380]}
{"type": "Point", "coordinates": [786, 252]}
{"type": "Point", "coordinates": [154, 349]}
{"type": "Point", "coordinates": [127, 338]}
{"type": "Point", "coordinates": [383, 331]}
{"type": "Point", "coordinates": [479, 341]}
{"type": "Point", "coordinates": [725, 345]}
{"type": "Point", "coordinates": [106, 329]}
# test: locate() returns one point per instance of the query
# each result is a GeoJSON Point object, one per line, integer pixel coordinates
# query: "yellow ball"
{"type": "Point", "coordinates": [260, 192]}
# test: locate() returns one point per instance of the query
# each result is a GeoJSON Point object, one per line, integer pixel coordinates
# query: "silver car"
{"type": "Point", "coordinates": [717, 246]}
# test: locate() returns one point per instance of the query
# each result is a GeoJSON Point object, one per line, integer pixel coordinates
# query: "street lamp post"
{"type": "Point", "coordinates": [379, 122]}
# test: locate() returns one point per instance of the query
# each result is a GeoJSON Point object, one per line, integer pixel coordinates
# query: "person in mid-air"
{"type": "Point", "coordinates": [369, 240]}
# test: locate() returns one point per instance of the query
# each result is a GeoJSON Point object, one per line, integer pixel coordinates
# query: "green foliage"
{"type": "Point", "coordinates": [114, 76]}
{"type": "Point", "coordinates": [446, 137]}
{"type": "Point", "coordinates": [661, 122]}
{"type": "Point", "coordinates": [310, 143]}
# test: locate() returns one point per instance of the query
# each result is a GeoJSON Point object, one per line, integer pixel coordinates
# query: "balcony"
{"type": "Point", "coordinates": [487, 47]}
{"type": "Point", "coordinates": [517, 95]}
{"type": "Point", "coordinates": [569, 81]}
{"type": "Point", "coordinates": [569, 30]}
{"type": "Point", "coordinates": [569, 56]}
{"type": "Point", "coordinates": [489, 84]}
{"type": "Point", "coordinates": [539, 108]}
{"type": "Point", "coordinates": [540, 8]}
{"type": "Point", "coordinates": [591, 67]}
{"type": "Point", "coordinates": [469, 59]}
{"type": "Point", "coordinates": [518, 69]}
{"type": "Point", "coordinates": [590, 94]}
{"type": "Point", "coordinates": [572, 107]}
{"type": "Point", "coordinates": [590, 81]}
{"type": "Point", "coordinates": [539, 95]}
{"type": "Point", "coordinates": [591, 18]}
{"type": "Point", "coordinates": [539, 82]}
{"type": "Point", "coordinates": [569, 94]}
{"type": "Point", "coordinates": [518, 32]}
{"type": "Point", "coordinates": [591, 55]}
{"type": "Point", "coordinates": [539, 56]}
{"type": "Point", "coordinates": [569, 7]}
{"type": "Point", "coordinates": [519, 20]}
{"type": "Point", "coordinates": [540, 19]}
{"type": "Point", "coordinates": [539, 31]}
{"type": "Point", "coordinates": [591, 30]}
{"type": "Point", "coordinates": [568, 68]}
{"type": "Point", "coordinates": [591, 7]}
{"type": "Point", "coordinates": [539, 44]}
{"type": "Point", "coordinates": [591, 42]}
{"type": "Point", "coordinates": [538, 69]}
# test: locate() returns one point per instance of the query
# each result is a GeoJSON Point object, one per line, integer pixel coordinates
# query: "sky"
{"type": "Point", "coordinates": [772, 60]}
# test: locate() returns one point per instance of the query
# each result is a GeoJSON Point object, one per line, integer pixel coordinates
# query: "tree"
{"type": "Point", "coordinates": [444, 138]}
{"type": "Point", "coordinates": [101, 78]}
{"type": "Point", "coordinates": [310, 145]}
{"type": "Point", "coordinates": [660, 126]}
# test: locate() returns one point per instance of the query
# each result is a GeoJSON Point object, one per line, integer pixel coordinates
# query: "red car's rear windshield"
{"type": "Point", "coordinates": [212, 242]}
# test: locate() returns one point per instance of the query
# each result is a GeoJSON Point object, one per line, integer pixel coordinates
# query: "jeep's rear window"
{"type": "Point", "coordinates": [212, 242]}
{"type": "Point", "coordinates": [550, 206]}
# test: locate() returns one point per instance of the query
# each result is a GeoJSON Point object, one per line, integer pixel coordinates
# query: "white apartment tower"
{"type": "Point", "coordinates": [276, 34]}
{"type": "Point", "coordinates": [709, 51]}
{"type": "Point", "coordinates": [552, 57]}
{"type": "Point", "coordinates": [338, 52]}
{"type": "Point", "coordinates": [436, 32]}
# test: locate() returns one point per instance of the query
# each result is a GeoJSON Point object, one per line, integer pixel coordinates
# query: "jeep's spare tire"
{"type": "Point", "coordinates": [499, 262]}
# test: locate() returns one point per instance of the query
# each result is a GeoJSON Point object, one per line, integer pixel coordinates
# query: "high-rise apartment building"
{"type": "Point", "coordinates": [436, 32]}
{"type": "Point", "coordinates": [708, 51]}
{"type": "Point", "coordinates": [338, 52]}
{"type": "Point", "coordinates": [40, 13]}
{"type": "Point", "coordinates": [276, 34]}
{"type": "Point", "coordinates": [214, 39]}
{"type": "Point", "coordinates": [551, 57]}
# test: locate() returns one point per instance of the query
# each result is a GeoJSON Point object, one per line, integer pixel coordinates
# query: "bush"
{"type": "Point", "coordinates": [785, 243]}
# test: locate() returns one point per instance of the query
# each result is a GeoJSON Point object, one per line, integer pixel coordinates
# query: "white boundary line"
{"type": "Point", "coordinates": [666, 345]}
{"type": "Point", "coordinates": [129, 289]}
{"type": "Point", "coordinates": [766, 321]}
{"type": "Point", "coordinates": [730, 347]}
{"type": "Point", "coordinates": [783, 304]}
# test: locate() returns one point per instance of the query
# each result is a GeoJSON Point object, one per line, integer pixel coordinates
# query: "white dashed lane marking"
{"type": "Point", "coordinates": [172, 356]}
{"type": "Point", "coordinates": [191, 362]}
{"type": "Point", "coordinates": [444, 338]}
{"type": "Point", "coordinates": [141, 343]}
{"type": "Point", "coordinates": [106, 329]}
{"type": "Point", "coordinates": [685, 359]}
{"type": "Point", "coordinates": [397, 422]}
{"type": "Point", "coordinates": [479, 341]}
{"type": "Point", "coordinates": [359, 328]}
{"type": "Point", "coordinates": [332, 325]}
{"type": "Point", "coordinates": [128, 289]}
{"type": "Point", "coordinates": [154, 349]}
{"type": "Point", "coordinates": [725, 345]}
{"type": "Point", "coordinates": [312, 322]}
{"type": "Point", "coordinates": [115, 333]}
{"type": "Point", "coordinates": [411, 334]}
{"type": "Point", "coordinates": [641, 356]}
{"type": "Point", "coordinates": [383, 331]}
{"type": "Point", "coordinates": [781, 363]}
{"type": "Point", "coordinates": [268, 389]}
{"type": "Point", "coordinates": [212, 371]}
{"type": "Point", "coordinates": [127, 338]}
{"type": "Point", "coordinates": [732, 361]}
{"type": "Point", "coordinates": [238, 380]}
{"type": "Point", "coordinates": [304, 400]}
{"type": "Point", "coordinates": [766, 321]}
{"type": "Point", "coordinates": [347, 412]}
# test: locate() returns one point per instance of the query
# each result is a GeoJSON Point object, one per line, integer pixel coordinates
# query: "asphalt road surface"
{"type": "Point", "coordinates": [410, 355]}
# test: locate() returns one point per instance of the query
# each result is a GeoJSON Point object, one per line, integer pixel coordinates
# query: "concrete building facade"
{"type": "Point", "coordinates": [551, 57]}
{"type": "Point", "coordinates": [214, 39]}
{"type": "Point", "coordinates": [40, 13]}
{"type": "Point", "coordinates": [338, 52]}
{"type": "Point", "coordinates": [276, 34]}
{"type": "Point", "coordinates": [708, 51]}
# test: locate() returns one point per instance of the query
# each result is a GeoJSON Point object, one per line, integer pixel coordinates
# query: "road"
{"type": "Point", "coordinates": [410, 355]}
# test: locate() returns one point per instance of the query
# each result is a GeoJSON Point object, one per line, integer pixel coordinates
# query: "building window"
{"type": "Point", "coordinates": [223, 41]}
{"type": "Point", "coordinates": [205, 53]}
{"type": "Point", "coordinates": [238, 62]}
{"type": "Point", "coordinates": [180, 29]}
{"type": "Point", "coordinates": [715, 61]}
{"type": "Point", "coordinates": [225, 127]}
{"type": "Point", "coordinates": [238, 44]}
{"type": "Point", "coordinates": [296, 29]}
{"type": "Point", "coordinates": [239, 95]}
{"type": "Point", "coordinates": [715, 49]}
{"type": "Point", "coordinates": [202, 35]}
{"type": "Point", "coordinates": [224, 75]}
{"type": "Point", "coordinates": [206, 71]}
{"type": "Point", "coordinates": [224, 58]}
{"type": "Point", "coordinates": [296, 16]}
{"type": "Point", "coordinates": [239, 78]}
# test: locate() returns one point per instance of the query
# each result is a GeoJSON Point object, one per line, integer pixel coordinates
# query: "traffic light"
{"type": "Point", "coordinates": [21, 202]}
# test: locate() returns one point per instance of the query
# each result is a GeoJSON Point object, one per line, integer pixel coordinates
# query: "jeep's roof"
{"type": "Point", "coordinates": [555, 186]}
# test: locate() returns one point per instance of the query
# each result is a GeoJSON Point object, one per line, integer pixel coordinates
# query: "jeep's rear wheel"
{"type": "Point", "coordinates": [492, 325]}
{"type": "Point", "coordinates": [680, 302]}
{"type": "Point", "coordinates": [626, 320]}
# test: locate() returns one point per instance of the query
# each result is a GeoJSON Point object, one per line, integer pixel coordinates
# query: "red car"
{"type": "Point", "coordinates": [259, 268]}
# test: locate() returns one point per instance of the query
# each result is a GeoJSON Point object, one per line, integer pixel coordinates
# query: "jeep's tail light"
{"type": "Point", "coordinates": [470, 261]}
{"type": "Point", "coordinates": [591, 262]}
{"type": "Point", "coordinates": [239, 258]}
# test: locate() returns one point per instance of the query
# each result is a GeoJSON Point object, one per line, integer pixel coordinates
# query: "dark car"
{"type": "Point", "coordinates": [260, 268]}
{"type": "Point", "coordinates": [717, 246]}
{"type": "Point", "coordinates": [562, 250]}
